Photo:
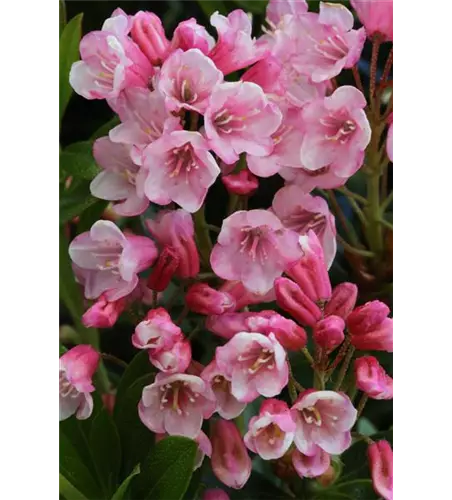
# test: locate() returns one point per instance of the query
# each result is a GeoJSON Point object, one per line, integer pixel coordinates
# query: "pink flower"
{"type": "Point", "coordinates": [254, 248]}
{"type": "Point", "coordinates": [227, 405]}
{"type": "Point", "coordinates": [230, 461]}
{"type": "Point", "coordinates": [168, 350]}
{"type": "Point", "coordinates": [337, 132]}
{"type": "Point", "coordinates": [240, 119]}
{"type": "Point", "coordinates": [103, 313]}
{"type": "Point", "coordinates": [376, 16]}
{"type": "Point", "coordinates": [180, 169]}
{"type": "Point", "coordinates": [176, 404]}
{"type": "Point", "coordinates": [380, 458]}
{"type": "Point", "coordinates": [268, 74]}
{"type": "Point", "coordinates": [302, 212]}
{"type": "Point", "coordinates": [144, 119]}
{"type": "Point", "coordinates": [276, 9]}
{"type": "Point", "coordinates": [235, 48]}
{"type": "Point", "coordinates": [109, 261]}
{"type": "Point", "coordinates": [271, 433]}
{"type": "Point", "coordinates": [149, 34]}
{"type": "Point", "coordinates": [121, 180]}
{"type": "Point", "coordinates": [311, 466]}
{"type": "Point", "coordinates": [187, 80]}
{"type": "Point", "coordinates": [215, 494]}
{"type": "Point", "coordinates": [77, 367]}
{"type": "Point", "coordinates": [370, 328]}
{"type": "Point", "coordinates": [286, 146]}
{"type": "Point", "coordinates": [328, 333]}
{"type": "Point", "coordinates": [255, 364]}
{"type": "Point", "coordinates": [326, 42]}
{"type": "Point", "coordinates": [191, 35]}
{"type": "Point", "coordinates": [243, 183]}
{"type": "Point", "coordinates": [164, 269]}
{"type": "Point", "coordinates": [372, 379]}
{"type": "Point", "coordinates": [342, 301]}
{"type": "Point", "coordinates": [324, 419]}
{"type": "Point", "coordinates": [110, 61]}
{"type": "Point", "coordinates": [175, 228]}
{"type": "Point", "coordinates": [390, 139]}
{"type": "Point", "coordinates": [291, 298]}
{"type": "Point", "coordinates": [203, 299]}
{"type": "Point", "coordinates": [244, 297]}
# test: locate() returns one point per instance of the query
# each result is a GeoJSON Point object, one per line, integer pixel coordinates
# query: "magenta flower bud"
{"type": "Point", "coordinates": [267, 74]}
{"type": "Point", "coordinates": [231, 463]}
{"type": "Point", "coordinates": [328, 333]}
{"type": "Point", "coordinates": [203, 299]}
{"type": "Point", "coordinates": [244, 183]}
{"type": "Point", "coordinates": [372, 379]}
{"type": "Point", "coordinates": [370, 328]}
{"type": "Point", "coordinates": [191, 35]}
{"type": "Point", "coordinates": [164, 269]}
{"type": "Point", "coordinates": [215, 494]}
{"type": "Point", "coordinates": [381, 458]}
{"type": "Point", "coordinates": [310, 272]}
{"type": "Point", "coordinates": [293, 300]}
{"type": "Point", "coordinates": [342, 300]}
{"type": "Point", "coordinates": [311, 465]}
{"type": "Point", "coordinates": [103, 313]}
{"type": "Point", "coordinates": [376, 17]}
{"type": "Point", "coordinates": [244, 297]}
{"type": "Point", "coordinates": [148, 33]}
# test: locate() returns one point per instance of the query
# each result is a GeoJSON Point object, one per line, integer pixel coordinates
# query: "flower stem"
{"type": "Point", "coordinates": [344, 368]}
{"type": "Point", "coordinates": [357, 78]}
{"type": "Point", "coordinates": [387, 67]}
{"type": "Point", "coordinates": [362, 404]}
{"type": "Point", "coordinates": [339, 357]}
{"type": "Point", "coordinates": [373, 72]}
{"type": "Point", "coordinates": [114, 359]}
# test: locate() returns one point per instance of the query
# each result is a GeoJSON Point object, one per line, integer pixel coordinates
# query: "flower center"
{"type": "Point", "coordinates": [312, 415]}
{"type": "Point", "coordinates": [332, 48]}
{"type": "Point", "coordinates": [303, 221]}
{"type": "Point", "coordinates": [338, 128]}
{"type": "Point", "coordinates": [219, 383]}
{"type": "Point", "coordinates": [255, 241]}
{"type": "Point", "coordinates": [254, 361]}
{"type": "Point", "coordinates": [177, 397]}
{"type": "Point", "coordinates": [186, 93]}
{"type": "Point", "coordinates": [271, 433]}
{"type": "Point", "coordinates": [67, 390]}
{"type": "Point", "coordinates": [181, 159]}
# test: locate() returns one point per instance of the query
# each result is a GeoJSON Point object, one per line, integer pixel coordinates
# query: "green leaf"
{"type": "Point", "coordinates": [254, 6]}
{"type": "Point", "coordinates": [92, 214]}
{"type": "Point", "coordinates": [211, 6]}
{"type": "Point", "coordinates": [63, 19]}
{"type": "Point", "coordinates": [167, 470]}
{"type": "Point", "coordinates": [121, 492]}
{"type": "Point", "coordinates": [359, 489]}
{"type": "Point", "coordinates": [105, 450]}
{"type": "Point", "coordinates": [75, 471]}
{"type": "Point", "coordinates": [62, 350]}
{"type": "Point", "coordinates": [105, 128]}
{"type": "Point", "coordinates": [69, 53]}
{"type": "Point", "coordinates": [68, 491]}
{"type": "Point", "coordinates": [366, 427]}
{"type": "Point", "coordinates": [77, 161]}
{"type": "Point", "coordinates": [74, 201]}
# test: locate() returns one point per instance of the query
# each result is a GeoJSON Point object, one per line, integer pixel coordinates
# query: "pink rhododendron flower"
{"type": "Point", "coordinates": [243, 183]}
{"type": "Point", "coordinates": [240, 119]}
{"type": "Point", "coordinates": [230, 461]}
{"type": "Point", "coordinates": [191, 35]}
{"type": "Point", "coordinates": [176, 404]}
{"type": "Point", "coordinates": [324, 419]}
{"type": "Point", "coordinates": [376, 16]}
{"type": "Point", "coordinates": [243, 297]}
{"type": "Point", "coordinates": [255, 364]}
{"type": "Point", "coordinates": [149, 34]}
{"type": "Point", "coordinates": [267, 73]}
{"type": "Point", "coordinates": [204, 299]}
{"type": "Point", "coordinates": [103, 313]}
{"type": "Point", "coordinates": [276, 9]}
{"type": "Point", "coordinates": [370, 328]}
{"type": "Point", "coordinates": [215, 494]}
{"type": "Point", "coordinates": [342, 301]}
{"type": "Point", "coordinates": [390, 139]}
{"type": "Point", "coordinates": [187, 80]}
{"type": "Point", "coordinates": [110, 61]}
{"type": "Point", "coordinates": [328, 333]}
{"type": "Point", "coordinates": [228, 406]}
{"type": "Point", "coordinates": [372, 379]}
{"type": "Point", "coordinates": [311, 465]}
{"type": "Point", "coordinates": [254, 248]}
{"type": "Point", "coordinates": [121, 180]}
{"type": "Point", "coordinates": [180, 169]}
{"type": "Point", "coordinates": [109, 260]}
{"type": "Point", "coordinates": [175, 228]}
{"type": "Point", "coordinates": [337, 132]}
{"type": "Point", "coordinates": [164, 269]}
{"type": "Point", "coordinates": [271, 433]}
{"type": "Point", "coordinates": [235, 49]}
{"type": "Point", "coordinates": [77, 367]}
{"type": "Point", "coordinates": [381, 465]}
{"type": "Point", "coordinates": [302, 212]}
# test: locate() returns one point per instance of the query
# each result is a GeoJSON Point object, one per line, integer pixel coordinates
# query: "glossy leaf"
{"type": "Point", "coordinates": [121, 492]}
{"type": "Point", "coordinates": [68, 491]}
{"type": "Point", "coordinates": [74, 201]}
{"type": "Point", "coordinates": [77, 161]}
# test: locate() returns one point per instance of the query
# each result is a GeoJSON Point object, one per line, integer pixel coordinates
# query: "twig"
{"type": "Point", "coordinates": [385, 204]}
{"type": "Point", "coordinates": [361, 405]}
{"type": "Point", "coordinates": [339, 357]}
{"type": "Point", "coordinates": [350, 194]}
{"type": "Point", "coordinates": [344, 368]}
{"type": "Point", "coordinates": [373, 72]}
{"type": "Point", "coordinates": [387, 67]}
{"type": "Point", "coordinates": [357, 78]}
{"type": "Point", "coordinates": [386, 224]}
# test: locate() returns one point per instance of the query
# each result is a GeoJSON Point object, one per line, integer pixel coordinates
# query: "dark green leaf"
{"type": "Point", "coordinates": [92, 214]}
{"type": "Point", "coordinates": [359, 489]}
{"type": "Point", "coordinates": [122, 491]}
{"type": "Point", "coordinates": [62, 350]}
{"type": "Point", "coordinates": [68, 491]}
{"type": "Point", "coordinates": [254, 6]}
{"type": "Point", "coordinates": [105, 128]}
{"type": "Point", "coordinates": [74, 201]}
{"type": "Point", "coordinates": [211, 6]}
{"type": "Point", "coordinates": [63, 19]}
{"type": "Point", "coordinates": [69, 43]}
{"type": "Point", "coordinates": [106, 450]}
{"type": "Point", "coordinates": [77, 161]}
{"type": "Point", "coordinates": [167, 470]}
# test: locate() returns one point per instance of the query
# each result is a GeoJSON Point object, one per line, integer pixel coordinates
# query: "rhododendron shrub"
{"type": "Point", "coordinates": [226, 254]}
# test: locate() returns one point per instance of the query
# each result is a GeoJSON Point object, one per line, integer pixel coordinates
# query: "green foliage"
{"type": "Point", "coordinates": [77, 161]}
{"type": "Point", "coordinates": [253, 6]}
{"type": "Point", "coordinates": [122, 491]}
{"type": "Point", "coordinates": [63, 19]}
{"type": "Point", "coordinates": [75, 200]}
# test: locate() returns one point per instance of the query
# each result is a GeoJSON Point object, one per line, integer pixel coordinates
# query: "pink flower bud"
{"type": "Point", "coordinates": [191, 35]}
{"type": "Point", "coordinates": [203, 299]}
{"type": "Point", "coordinates": [376, 17]}
{"type": "Point", "coordinates": [174, 360]}
{"type": "Point", "coordinates": [311, 466]}
{"type": "Point", "coordinates": [370, 328]}
{"type": "Point", "coordinates": [328, 333]}
{"type": "Point", "coordinates": [310, 272]}
{"type": "Point", "coordinates": [230, 461]}
{"type": "Point", "coordinates": [164, 269]}
{"type": "Point", "coordinates": [244, 297]}
{"type": "Point", "coordinates": [267, 74]}
{"type": "Point", "coordinates": [372, 379]}
{"type": "Point", "coordinates": [293, 300]}
{"type": "Point", "coordinates": [215, 494]}
{"type": "Point", "coordinates": [380, 458]}
{"type": "Point", "coordinates": [148, 33]}
{"type": "Point", "coordinates": [342, 300]}
{"type": "Point", "coordinates": [103, 313]}
{"type": "Point", "coordinates": [244, 183]}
